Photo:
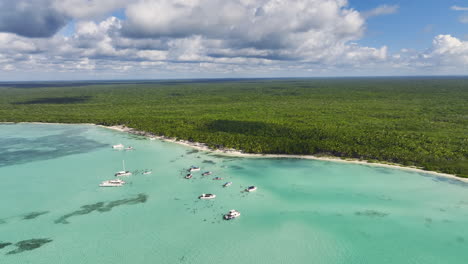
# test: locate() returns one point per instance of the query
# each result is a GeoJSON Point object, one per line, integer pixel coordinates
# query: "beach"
{"type": "Point", "coordinates": [237, 153]}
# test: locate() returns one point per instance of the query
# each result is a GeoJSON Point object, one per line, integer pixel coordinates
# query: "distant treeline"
{"type": "Point", "coordinates": [415, 121]}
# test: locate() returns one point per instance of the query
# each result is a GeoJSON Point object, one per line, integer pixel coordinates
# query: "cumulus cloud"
{"type": "Point", "coordinates": [449, 50]}
{"type": "Point", "coordinates": [44, 18]}
{"type": "Point", "coordinates": [381, 10]}
{"type": "Point", "coordinates": [30, 18]}
{"type": "Point", "coordinates": [259, 23]}
{"type": "Point", "coordinates": [199, 37]}
{"type": "Point", "coordinates": [279, 30]}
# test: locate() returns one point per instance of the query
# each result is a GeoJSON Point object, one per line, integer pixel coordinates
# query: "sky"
{"type": "Point", "coordinates": [178, 39]}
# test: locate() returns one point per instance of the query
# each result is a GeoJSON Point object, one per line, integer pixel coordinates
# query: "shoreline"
{"type": "Point", "coordinates": [237, 153]}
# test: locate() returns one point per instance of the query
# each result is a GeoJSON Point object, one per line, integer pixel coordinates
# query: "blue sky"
{"type": "Point", "coordinates": [132, 39]}
{"type": "Point", "coordinates": [414, 25]}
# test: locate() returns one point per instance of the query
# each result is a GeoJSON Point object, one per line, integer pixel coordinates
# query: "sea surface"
{"type": "Point", "coordinates": [304, 211]}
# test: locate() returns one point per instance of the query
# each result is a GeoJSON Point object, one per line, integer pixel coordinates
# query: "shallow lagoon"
{"type": "Point", "coordinates": [305, 211]}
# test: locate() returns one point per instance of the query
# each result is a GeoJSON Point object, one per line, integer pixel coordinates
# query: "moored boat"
{"type": "Point", "coordinates": [251, 188]}
{"type": "Point", "coordinates": [206, 173]}
{"type": "Point", "coordinates": [123, 172]}
{"type": "Point", "coordinates": [227, 184]}
{"type": "Point", "coordinates": [118, 146]}
{"type": "Point", "coordinates": [231, 215]}
{"type": "Point", "coordinates": [194, 168]}
{"type": "Point", "coordinates": [217, 178]}
{"type": "Point", "coordinates": [112, 183]}
{"type": "Point", "coordinates": [207, 196]}
{"type": "Point", "coordinates": [188, 176]}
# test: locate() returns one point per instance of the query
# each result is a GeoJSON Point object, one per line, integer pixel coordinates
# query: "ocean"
{"type": "Point", "coordinates": [52, 209]}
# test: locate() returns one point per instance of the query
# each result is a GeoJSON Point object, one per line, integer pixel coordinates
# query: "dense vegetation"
{"type": "Point", "coordinates": [413, 121]}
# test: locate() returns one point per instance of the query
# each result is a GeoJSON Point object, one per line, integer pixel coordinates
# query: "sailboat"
{"type": "Point", "coordinates": [123, 172]}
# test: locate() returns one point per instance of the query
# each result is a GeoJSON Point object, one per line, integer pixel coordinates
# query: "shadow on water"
{"type": "Point", "coordinates": [23, 150]}
{"type": "Point", "coordinates": [56, 100]}
{"type": "Point", "coordinates": [30, 244]}
{"type": "Point", "coordinates": [101, 207]}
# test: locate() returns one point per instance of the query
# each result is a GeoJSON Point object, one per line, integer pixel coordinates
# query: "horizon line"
{"type": "Point", "coordinates": [240, 78]}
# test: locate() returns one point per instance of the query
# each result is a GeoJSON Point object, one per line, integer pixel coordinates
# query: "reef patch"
{"type": "Point", "coordinates": [34, 215]}
{"type": "Point", "coordinates": [30, 244]}
{"type": "Point", "coordinates": [371, 213]}
{"type": "Point", "coordinates": [101, 207]}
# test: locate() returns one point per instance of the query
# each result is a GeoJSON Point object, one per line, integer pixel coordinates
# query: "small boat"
{"type": "Point", "coordinates": [207, 196]}
{"type": "Point", "coordinates": [112, 183]}
{"type": "Point", "coordinates": [227, 184]}
{"type": "Point", "coordinates": [146, 172]}
{"type": "Point", "coordinates": [123, 172]}
{"type": "Point", "coordinates": [194, 168]}
{"type": "Point", "coordinates": [251, 189]}
{"type": "Point", "coordinates": [217, 178]}
{"type": "Point", "coordinates": [129, 148]}
{"type": "Point", "coordinates": [118, 146]}
{"type": "Point", "coordinates": [188, 176]}
{"type": "Point", "coordinates": [231, 215]}
{"type": "Point", "coordinates": [206, 173]}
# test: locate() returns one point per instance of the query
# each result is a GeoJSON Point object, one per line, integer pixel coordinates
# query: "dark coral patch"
{"type": "Point", "coordinates": [371, 213]}
{"type": "Point", "coordinates": [2, 245]}
{"type": "Point", "coordinates": [85, 209]}
{"type": "Point", "coordinates": [102, 207]}
{"type": "Point", "coordinates": [30, 244]}
{"type": "Point", "coordinates": [34, 215]}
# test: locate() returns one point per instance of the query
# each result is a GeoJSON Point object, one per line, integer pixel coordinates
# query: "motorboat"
{"type": "Point", "coordinates": [123, 172]}
{"type": "Point", "coordinates": [194, 168]}
{"type": "Point", "coordinates": [227, 184]}
{"type": "Point", "coordinates": [188, 176]}
{"type": "Point", "coordinates": [112, 183]}
{"type": "Point", "coordinates": [146, 172]}
{"type": "Point", "coordinates": [251, 189]}
{"type": "Point", "coordinates": [118, 146]}
{"type": "Point", "coordinates": [207, 196]}
{"type": "Point", "coordinates": [206, 173]}
{"type": "Point", "coordinates": [231, 215]}
{"type": "Point", "coordinates": [217, 178]}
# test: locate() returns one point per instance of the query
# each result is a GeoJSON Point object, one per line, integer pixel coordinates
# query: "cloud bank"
{"type": "Point", "coordinates": [203, 38]}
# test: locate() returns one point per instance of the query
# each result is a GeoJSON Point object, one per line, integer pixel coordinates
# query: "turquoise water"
{"type": "Point", "coordinates": [304, 211]}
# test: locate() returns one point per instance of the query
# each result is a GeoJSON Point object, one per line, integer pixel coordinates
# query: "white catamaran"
{"type": "Point", "coordinates": [123, 172]}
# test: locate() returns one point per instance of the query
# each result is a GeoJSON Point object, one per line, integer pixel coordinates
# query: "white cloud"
{"type": "Point", "coordinates": [381, 10]}
{"type": "Point", "coordinates": [459, 8]}
{"type": "Point", "coordinates": [231, 37]}
{"type": "Point", "coordinates": [449, 51]}
{"type": "Point", "coordinates": [259, 23]}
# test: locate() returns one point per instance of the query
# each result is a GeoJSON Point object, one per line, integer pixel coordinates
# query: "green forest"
{"type": "Point", "coordinates": [410, 121]}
